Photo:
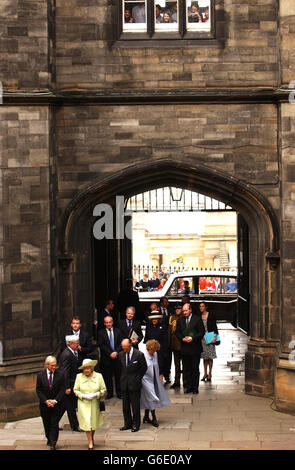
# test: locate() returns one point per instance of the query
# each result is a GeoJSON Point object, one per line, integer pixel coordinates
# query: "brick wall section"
{"type": "Point", "coordinates": [247, 54]}
{"type": "Point", "coordinates": [25, 253]}
{"type": "Point", "coordinates": [240, 140]}
{"type": "Point", "coordinates": [24, 44]}
{"type": "Point", "coordinates": [287, 31]}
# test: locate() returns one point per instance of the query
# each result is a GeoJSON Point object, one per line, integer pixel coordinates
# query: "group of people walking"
{"type": "Point", "coordinates": [83, 380]}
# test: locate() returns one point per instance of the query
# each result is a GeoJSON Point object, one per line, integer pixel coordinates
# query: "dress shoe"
{"type": "Point", "coordinates": [77, 430]}
{"type": "Point", "coordinates": [155, 422]}
{"type": "Point", "coordinates": [195, 392]}
{"type": "Point", "coordinates": [188, 390]}
{"type": "Point", "coordinates": [109, 396]}
{"type": "Point", "coordinates": [125, 428]}
{"type": "Point", "coordinates": [175, 386]}
{"type": "Point", "coordinates": [134, 429]}
{"type": "Point", "coordinates": [119, 396]}
{"type": "Point", "coordinates": [52, 447]}
{"type": "Point", "coordinates": [147, 419]}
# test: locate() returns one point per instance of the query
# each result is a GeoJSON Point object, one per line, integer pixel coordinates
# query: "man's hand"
{"type": "Point", "coordinates": [50, 403]}
{"type": "Point", "coordinates": [68, 391]}
{"type": "Point", "coordinates": [114, 355]}
{"type": "Point", "coordinates": [187, 339]}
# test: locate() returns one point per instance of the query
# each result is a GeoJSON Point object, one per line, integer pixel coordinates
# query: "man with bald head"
{"type": "Point", "coordinates": [50, 388]}
{"type": "Point", "coordinates": [109, 342]}
{"type": "Point", "coordinates": [190, 331]}
{"type": "Point", "coordinates": [133, 367]}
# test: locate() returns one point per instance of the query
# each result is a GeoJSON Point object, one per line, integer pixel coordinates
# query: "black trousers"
{"type": "Point", "coordinates": [191, 370]}
{"type": "Point", "coordinates": [167, 364]}
{"type": "Point", "coordinates": [131, 408]}
{"type": "Point", "coordinates": [70, 406]}
{"type": "Point", "coordinates": [110, 369]}
{"type": "Point", "coordinates": [50, 418]}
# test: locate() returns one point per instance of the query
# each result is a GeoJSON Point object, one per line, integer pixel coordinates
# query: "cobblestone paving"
{"type": "Point", "coordinates": [222, 416]}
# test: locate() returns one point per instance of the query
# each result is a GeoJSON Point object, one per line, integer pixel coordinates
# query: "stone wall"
{"type": "Point", "coordinates": [246, 52]}
{"type": "Point", "coordinates": [25, 254]}
{"type": "Point", "coordinates": [24, 44]}
{"type": "Point", "coordinates": [240, 140]}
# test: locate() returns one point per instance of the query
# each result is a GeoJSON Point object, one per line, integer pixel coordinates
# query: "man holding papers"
{"type": "Point", "coordinates": [131, 328]}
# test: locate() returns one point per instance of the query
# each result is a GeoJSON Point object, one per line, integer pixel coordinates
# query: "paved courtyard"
{"type": "Point", "coordinates": [220, 417]}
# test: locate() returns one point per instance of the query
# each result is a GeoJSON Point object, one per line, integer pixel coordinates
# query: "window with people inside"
{"type": "Point", "coordinates": [166, 16]}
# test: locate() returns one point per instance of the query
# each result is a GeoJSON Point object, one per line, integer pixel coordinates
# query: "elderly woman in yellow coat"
{"type": "Point", "coordinates": [89, 388]}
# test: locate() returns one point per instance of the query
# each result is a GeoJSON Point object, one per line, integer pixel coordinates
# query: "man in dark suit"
{"type": "Point", "coordinates": [133, 367]}
{"type": "Point", "coordinates": [109, 342]}
{"type": "Point", "coordinates": [190, 331]}
{"type": "Point", "coordinates": [108, 310]}
{"type": "Point", "coordinates": [69, 362]}
{"type": "Point", "coordinates": [130, 325]}
{"type": "Point", "coordinates": [85, 343]}
{"type": "Point", "coordinates": [128, 297]}
{"type": "Point", "coordinates": [50, 388]}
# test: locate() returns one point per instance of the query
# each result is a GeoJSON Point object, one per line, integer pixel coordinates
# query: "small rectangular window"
{"type": "Point", "coordinates": [134, 16]}
{"type": "Point", "coordinates": [152, 21]}
{"type": "Point", "coordinates": [166, 16]}
{"type": "Point", "coordinates": [198, 17]}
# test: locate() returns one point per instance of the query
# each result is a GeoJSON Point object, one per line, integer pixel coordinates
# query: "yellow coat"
{"type": "Point", "coordinates": [89, 415]}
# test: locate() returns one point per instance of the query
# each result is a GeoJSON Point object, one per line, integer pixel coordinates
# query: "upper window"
{"type": "Point", "coordinates": [164, 19]}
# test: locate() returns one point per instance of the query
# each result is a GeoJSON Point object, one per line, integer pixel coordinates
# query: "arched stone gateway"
{"type": "Point", "coordinates": [75, 245]}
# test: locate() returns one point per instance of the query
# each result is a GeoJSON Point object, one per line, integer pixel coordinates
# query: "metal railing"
{"type": "Point", "coordinates": [140, 269]}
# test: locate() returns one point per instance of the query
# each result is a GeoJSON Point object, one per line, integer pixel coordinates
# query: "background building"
{"type": "Point", "coordinates": [92, 110]}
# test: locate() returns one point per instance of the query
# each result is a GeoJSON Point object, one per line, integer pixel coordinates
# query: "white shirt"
{"type": "Point", "coordinates": [76, 333]}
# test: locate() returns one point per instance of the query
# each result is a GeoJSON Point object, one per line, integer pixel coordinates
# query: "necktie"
{"type": "Point", "coordinates": [129, 325]}
{"type": "Point", "coordinates": [76, 354]}
{"type": "Point", "coordinates": [128, 359]}
{"type": "Point", "coordinates": [187, 321]}
{"type": "Point", "coordinates": [50, 380]}
{"type": "Point", "coordinates": [112, 340]}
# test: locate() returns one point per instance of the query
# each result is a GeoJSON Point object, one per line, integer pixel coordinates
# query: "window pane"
{"type": "Point", "coordinates": [198, 15]}
{"type": "Point", "coordinates": [134, 16]}
{"type": "Point", "coordinates": [166, 15]}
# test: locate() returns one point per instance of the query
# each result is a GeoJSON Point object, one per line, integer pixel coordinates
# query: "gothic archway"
{"type": "Point", "coordinates": [75, 273]}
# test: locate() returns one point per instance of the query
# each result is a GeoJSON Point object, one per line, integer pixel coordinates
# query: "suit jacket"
{"type": "Point", "coordinates": [132, 375]}
{"type": "Point", "coordinates": [85, 343]}
{"type": "Point", "coordinates": [104, 344]}
{"type": "Point", "coordinates": [129, 298]}
{"type": "Point", "coordinates": [126, 333]}
{"type": "Point", "coordinates": [196, 324]}
{"type": "Point", "coordinates": [68, 364]}
{"type": "Point", "coordinates": [104, 313]}
{"type": "Point", "coordinates": [57, 392]}
{"type": "Point", "coordinates": [211, 323]}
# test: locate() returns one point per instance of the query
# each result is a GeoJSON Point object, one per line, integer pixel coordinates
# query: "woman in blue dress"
{"type": "Point", "coordinates": [153, 393]}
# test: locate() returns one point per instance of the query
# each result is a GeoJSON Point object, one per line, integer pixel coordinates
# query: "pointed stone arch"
{"type": "Point", "coordinates": [75, 278]}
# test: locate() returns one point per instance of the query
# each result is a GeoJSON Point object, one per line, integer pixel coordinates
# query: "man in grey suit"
{"type": "Point", "coordinates": [133, 367]}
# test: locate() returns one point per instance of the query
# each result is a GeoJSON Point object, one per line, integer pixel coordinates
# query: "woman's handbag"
{"type": "Point", "coordinates": [102, 406]}
{"type": "Point", "coordinates": [210, 336]}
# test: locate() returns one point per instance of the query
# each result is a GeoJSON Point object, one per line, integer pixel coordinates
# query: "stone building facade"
{"type": "Point", "coordinates": [87, 116]}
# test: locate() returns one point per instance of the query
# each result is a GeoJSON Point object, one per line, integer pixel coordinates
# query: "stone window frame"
{"type": "Point", "coordinates": [152, 38]}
